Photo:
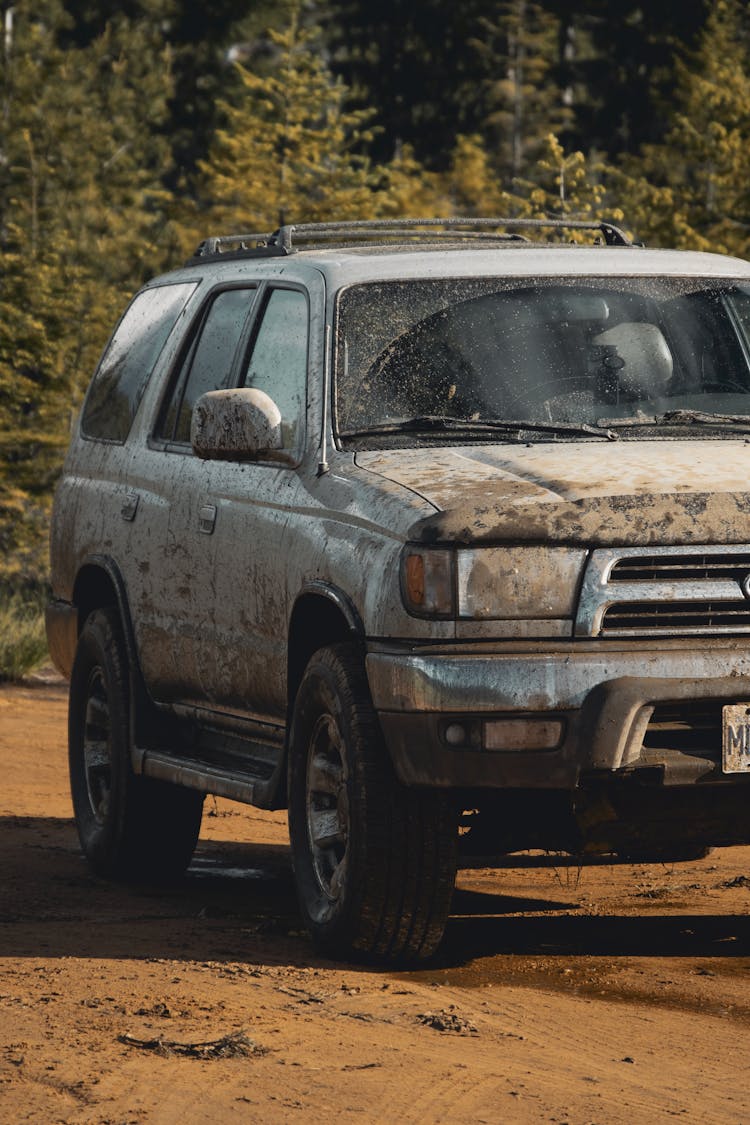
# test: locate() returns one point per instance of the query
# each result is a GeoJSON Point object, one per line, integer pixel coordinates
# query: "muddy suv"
{"type": "Point", "coordinates": [436, 534]}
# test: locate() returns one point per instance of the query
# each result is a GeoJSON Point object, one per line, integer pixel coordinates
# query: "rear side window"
{"type": "Point", "coordinates": [122, 375]}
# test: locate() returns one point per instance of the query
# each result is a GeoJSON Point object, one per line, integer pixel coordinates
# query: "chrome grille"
{"type": "Point", "coordinates": [678, 616]}
{"type": "Point", "coordinates": [665, 591]}
{"type": "Point", "coordinates": [681, 568]}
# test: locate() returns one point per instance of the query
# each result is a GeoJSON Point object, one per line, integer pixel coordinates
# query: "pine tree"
{"type": "Point", "coordinates": [616, 66]}
{"type": "Point", "coordinates": [559, 185]}
{"type": "Point", "coordinates": [81, 220]}
{"type": "Point", "coordinates": [712, 133]}
{"type": "Point", "coordinates": [692, 191]}
{"type": "Point", "coordinates": [292, 150]}
{"type": "Point", "coordinates": [522, 102]}
{"type": "Point", "coordinates": [405, 189]}
{"type": "Point", "coordinates": [410, 63]}
{"type": "Point", "coordinates": [471, 183]}
{"type": "Point", "coordinates": [289, 148]}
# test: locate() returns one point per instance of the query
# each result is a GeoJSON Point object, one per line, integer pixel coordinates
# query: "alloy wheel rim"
{"type": "Point", "coordinates": [97, 747]}
{"type": "Point", "coordinates": [327, 807]}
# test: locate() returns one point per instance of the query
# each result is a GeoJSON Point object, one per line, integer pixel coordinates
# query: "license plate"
{"type": "Point", "coordinates": [736, 738]}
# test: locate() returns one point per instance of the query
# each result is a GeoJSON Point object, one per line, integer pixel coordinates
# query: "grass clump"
{"type": "Point", "coordinates": [23, 642]}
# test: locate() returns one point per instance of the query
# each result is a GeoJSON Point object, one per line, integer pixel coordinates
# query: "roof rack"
{"type": "Point", "coordinates": [288, 238]}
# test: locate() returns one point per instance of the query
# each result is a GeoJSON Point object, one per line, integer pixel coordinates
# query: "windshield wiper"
{"type": "Point", "coordinates": [430, 423]}
{"type": "Point", "coordinates": [702, 418]}
{"type": "Point", "coordinates": [681, 418]}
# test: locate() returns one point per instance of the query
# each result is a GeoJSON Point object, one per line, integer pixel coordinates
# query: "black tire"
{"type": "Point", "coordinates": [374, 862]}
{"type": "Point", "coordinates": [130, 827]}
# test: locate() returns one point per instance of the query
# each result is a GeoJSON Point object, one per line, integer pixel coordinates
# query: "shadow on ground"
{"type": "Point", "coordinates": [237, 903]}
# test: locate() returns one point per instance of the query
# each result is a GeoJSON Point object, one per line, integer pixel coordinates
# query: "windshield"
{"type": "Point", "coordinates": [593, 352]}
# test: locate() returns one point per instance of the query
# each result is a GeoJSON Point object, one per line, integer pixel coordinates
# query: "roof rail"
{"type": "Point", "coordinates": [289, 237]}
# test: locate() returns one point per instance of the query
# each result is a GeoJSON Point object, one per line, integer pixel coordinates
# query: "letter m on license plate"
{"type": "Point", "coordinates": [736, 738]}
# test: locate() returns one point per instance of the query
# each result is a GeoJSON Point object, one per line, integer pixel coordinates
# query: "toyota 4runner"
{"type": "Point", "coordinates": [433, 532]}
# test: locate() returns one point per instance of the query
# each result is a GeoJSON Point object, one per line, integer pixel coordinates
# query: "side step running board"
{"type": "Point", "coordinates": [205, 776]}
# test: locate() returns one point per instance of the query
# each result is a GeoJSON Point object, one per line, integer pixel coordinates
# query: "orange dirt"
{"type": "Point", "coordinates": [603, 994]}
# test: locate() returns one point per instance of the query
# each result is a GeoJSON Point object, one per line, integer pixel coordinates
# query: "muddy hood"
{"type": "Point", "coordinates": [601, 494]}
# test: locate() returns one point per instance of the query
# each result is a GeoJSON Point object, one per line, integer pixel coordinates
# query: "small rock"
{"type": "Point", "coordinates": [447, 1021]}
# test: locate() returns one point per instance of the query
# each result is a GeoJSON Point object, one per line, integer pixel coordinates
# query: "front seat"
{"type": "Point", "coordinates": [646, 362]}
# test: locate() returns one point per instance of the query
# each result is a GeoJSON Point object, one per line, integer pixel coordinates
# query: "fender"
{"type": "Point", "coordinates": [342, 601]}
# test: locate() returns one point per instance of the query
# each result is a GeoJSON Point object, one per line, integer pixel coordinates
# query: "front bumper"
{"type": "Point", "coordinates": [602, 694]}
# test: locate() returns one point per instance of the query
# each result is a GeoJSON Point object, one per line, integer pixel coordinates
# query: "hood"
{"type": "Point", "coordinates": [598, 493]}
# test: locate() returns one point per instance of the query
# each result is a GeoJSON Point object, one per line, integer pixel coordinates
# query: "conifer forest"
{"type": "Point", "coordinates": [131, 130]}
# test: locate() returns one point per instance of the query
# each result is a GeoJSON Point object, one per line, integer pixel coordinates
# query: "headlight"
{"type": "Point", "coordinates": [492, 583]}
{"type": "Point", "coordinates": [428, 581]}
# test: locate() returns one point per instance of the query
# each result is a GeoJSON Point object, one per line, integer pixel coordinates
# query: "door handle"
{"type": "Point", "coordinates": [207, 519]}
{"type": "Point", "coordinates": [129, 506]}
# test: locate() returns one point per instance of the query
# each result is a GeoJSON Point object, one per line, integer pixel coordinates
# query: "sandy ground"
{"type": "Point", "coordinates": [599, 994]}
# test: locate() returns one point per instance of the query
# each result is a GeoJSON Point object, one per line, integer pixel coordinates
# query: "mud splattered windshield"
{"type": "Point", "coordinates": [563, 356]}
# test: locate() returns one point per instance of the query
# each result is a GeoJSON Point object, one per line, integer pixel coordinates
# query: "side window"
{"type": "Point", "coordinates": [208, 364]}
{"type": "Point", "coordinates": [126, 366]}
{"type": "Point", "coordinates": [278, 360]}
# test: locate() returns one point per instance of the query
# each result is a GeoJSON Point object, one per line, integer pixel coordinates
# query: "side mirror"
{"type": "Point", "coordinates": [237, 425]}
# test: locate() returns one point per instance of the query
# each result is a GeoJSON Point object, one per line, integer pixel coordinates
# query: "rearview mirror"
{"type": "Point", "coordinates": [237, 425]}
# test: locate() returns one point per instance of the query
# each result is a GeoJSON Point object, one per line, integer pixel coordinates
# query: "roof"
{"type": "Point", "coordinates": [356, 252]}
{"type": "Point", "coordinates": [348, 266]}
{"type": "Point", "coordinates": [519, 260]}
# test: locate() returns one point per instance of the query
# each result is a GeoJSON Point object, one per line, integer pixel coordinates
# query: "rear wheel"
{"type": "Point", "coordinates": [375, 862]}
{"type": "Point", "coordinates": [129, 826]}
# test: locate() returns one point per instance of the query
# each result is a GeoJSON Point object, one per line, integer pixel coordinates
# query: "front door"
{"type": "Point", "coordinates": [225, 604]}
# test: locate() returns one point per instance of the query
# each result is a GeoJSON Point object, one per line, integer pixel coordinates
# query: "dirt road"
{"type": "Point", "coordinates": [596, 995]}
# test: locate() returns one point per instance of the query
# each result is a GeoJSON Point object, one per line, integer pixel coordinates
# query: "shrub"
{"type": "Point", "coordinates": [23, 644]}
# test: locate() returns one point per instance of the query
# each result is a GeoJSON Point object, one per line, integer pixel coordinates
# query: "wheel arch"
{"type": "Point", "coordinates": [322, 615]}
{"type": "Point", "coordinates": [99, 583]}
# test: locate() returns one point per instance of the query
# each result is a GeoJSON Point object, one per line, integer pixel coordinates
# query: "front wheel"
{"type": "Point", "coordinates": [129, 826]}
{"type": "Point", "coordinates": [374, 861]}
